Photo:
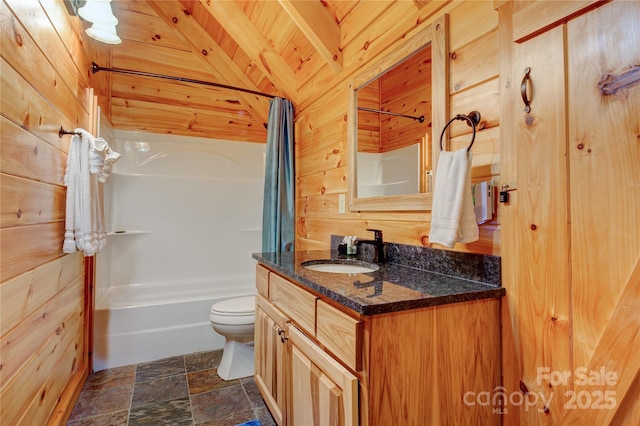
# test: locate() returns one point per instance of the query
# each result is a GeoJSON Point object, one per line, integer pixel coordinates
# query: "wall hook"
{"type": "Point", "coordinates": [63, 132]}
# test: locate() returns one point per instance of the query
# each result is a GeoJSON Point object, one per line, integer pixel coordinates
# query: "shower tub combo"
{"type": "Point", "coordinates": [184, 216]}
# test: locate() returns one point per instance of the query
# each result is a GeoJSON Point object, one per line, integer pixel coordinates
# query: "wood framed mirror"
{"type": "Point", "coordinates": [394, 105]}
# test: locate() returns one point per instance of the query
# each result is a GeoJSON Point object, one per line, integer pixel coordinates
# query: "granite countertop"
{"type": "Point", "coordinates": [391, 288]}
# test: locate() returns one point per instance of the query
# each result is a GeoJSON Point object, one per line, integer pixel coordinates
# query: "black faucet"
{"type": "Point", "coordinates": [378, 245]}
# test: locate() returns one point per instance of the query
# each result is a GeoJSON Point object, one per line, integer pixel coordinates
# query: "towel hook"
{"type": "Point", "coordinates": [63, 132]}
{"type": "Point", "coordinates": [472, 119]}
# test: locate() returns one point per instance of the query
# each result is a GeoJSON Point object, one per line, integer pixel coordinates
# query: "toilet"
{"type": "Point", "coordinates": [235, 319]}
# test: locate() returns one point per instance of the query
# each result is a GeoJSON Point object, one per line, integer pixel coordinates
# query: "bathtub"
{"type": "Point", "coordinates": [136, 323]}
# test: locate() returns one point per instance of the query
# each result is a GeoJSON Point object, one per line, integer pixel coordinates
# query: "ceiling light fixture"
{"type": "Point", "coordinates": [99, 13]}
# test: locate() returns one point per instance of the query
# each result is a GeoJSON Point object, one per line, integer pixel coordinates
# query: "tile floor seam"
{"type": "Point", "coordinates": [254, 410]}
{"type": "Point", "coordinates": [133, 389]}
{"type": "Point", "coordinates": [186, 375]}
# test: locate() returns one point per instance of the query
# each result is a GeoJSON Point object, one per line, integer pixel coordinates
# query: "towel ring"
{"type": "Point", "coordinates": [472, 120]}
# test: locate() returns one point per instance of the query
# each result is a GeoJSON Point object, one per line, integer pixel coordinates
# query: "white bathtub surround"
{"type": "Point", "coordinates": [183, 215]}
{"type": "Point", "coordinates": [389, 173]}
{"type": "Point", "coordinates": [140, 323]}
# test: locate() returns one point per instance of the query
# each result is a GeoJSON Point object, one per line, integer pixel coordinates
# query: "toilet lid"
{"type": "Point", "coordinates": [235, 307]}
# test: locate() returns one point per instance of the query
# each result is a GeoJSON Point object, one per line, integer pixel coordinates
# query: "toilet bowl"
{"type": "Point", "coordinates": [234, 319]}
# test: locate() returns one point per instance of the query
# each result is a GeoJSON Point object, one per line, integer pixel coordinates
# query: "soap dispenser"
{"type": "Point", "coordinates": [352, 250]}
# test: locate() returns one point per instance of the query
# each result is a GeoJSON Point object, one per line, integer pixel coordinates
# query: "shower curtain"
{"type": "Point", "coordinates": [278, 214]}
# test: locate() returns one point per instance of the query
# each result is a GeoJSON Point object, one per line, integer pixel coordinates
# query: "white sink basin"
{"type": "Point", "coordinates": [338, 267]}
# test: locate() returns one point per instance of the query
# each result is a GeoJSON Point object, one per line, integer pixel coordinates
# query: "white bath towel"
{"type": "Point", "coordinates": [84, 222]}
{"type": "Point", "coordinates": [452, 213]}
{"type": "Point", "coordinates": [97, 151]}
{"type": "Point", "coordinates": [71, 178]}
{"type": "Point", "coordinates": [110, 158]}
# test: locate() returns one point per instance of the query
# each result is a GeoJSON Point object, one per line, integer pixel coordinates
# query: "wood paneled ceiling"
{"type": "Point", "coordinates": [286, 48]}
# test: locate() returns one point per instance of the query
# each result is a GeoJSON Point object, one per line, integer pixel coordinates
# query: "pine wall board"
{"type": "Point", "coordinates": [26, 155]}
{"type": "Point", "coordinates": [45, 83]}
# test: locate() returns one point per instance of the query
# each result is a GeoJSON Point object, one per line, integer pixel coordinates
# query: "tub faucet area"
{"type": "Point", "coordinates": [378, 245]}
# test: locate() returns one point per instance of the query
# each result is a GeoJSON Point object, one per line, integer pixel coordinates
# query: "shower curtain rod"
{"type": "Point", "coordinates": [95, 68]}
{"type": "Point", "coordinates": [420, 119]}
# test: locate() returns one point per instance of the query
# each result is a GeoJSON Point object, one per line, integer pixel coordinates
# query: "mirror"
{"type": "Point", "coordinates": [391, 111]}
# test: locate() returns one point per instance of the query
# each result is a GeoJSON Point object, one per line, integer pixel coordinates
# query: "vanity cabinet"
{"type": "Point", "coordinates": [300, 382]}
{"type": "Point", "coordinates": [320, 363]}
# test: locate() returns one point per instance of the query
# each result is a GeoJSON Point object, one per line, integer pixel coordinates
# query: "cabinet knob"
{"type": "Point", "coordinates": [283, 338]}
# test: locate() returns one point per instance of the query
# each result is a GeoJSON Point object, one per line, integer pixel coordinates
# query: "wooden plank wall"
{"type": "Point", "coordinates": [406, 90]}
{"type": "Point", "coordinates": [321, 124]}
{"type": "Point", "coordinates": [369, 122]}
{"type": "Point", "coordinates": [157, 44]}
{"type": "Point", "coordinates": [45, 64]}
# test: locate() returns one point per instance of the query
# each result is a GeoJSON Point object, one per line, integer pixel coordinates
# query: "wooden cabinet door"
{"type": "Point", "coordinates": [323, 392]}
{"type": "Point", "coordinates": [571, 234]}
{"type": "Point", "coordinates": [270, 353]}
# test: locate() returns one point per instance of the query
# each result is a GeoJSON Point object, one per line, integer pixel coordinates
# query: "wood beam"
{"type": "Point", "coordinates": [236, 23]}
{"type": "Point", "coordinates": [319, 27]}
{"type": "Point", "coordinates": [211, 55]}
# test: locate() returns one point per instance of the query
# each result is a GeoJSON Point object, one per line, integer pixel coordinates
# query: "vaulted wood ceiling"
{"type": "Point", "coordinates": [286, 48]}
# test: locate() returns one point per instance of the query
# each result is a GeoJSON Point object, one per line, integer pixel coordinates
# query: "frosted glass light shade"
{"type": "Point", "coordinates": [98, 12]}
{"type": "Point", "coordinates": [104, 33]}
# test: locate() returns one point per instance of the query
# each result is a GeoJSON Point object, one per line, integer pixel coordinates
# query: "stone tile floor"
{"type": "Point", "coordinates": [181, 390]}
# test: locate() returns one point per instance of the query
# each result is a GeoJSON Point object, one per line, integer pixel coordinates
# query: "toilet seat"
{"type": "Point", "coordinates": [241, 310]}
{"type": "Point", "coordinates": [238, 306]}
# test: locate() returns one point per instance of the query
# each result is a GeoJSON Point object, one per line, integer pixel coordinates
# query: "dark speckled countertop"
{"type": "Point", "coordinates": [393, 287]}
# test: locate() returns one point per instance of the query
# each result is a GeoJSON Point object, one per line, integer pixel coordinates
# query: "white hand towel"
{"type": "Point", "coordinates": [452, 214]}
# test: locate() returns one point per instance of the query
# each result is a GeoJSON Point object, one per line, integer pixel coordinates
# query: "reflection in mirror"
{"type": "Point", "coordinates": [392, 105]}
{"type": "Point", "coordinates": [406, 83]}
{"type": "Point", "coordinates": [394, 128]}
